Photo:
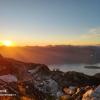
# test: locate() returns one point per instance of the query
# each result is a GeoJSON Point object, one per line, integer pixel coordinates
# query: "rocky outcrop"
{"type": "Point", "coordinates": [20, 91]}
{"type": "Point", "coordinates": [23, 71]}
{"type": "Point", "coordinates": [74, 78]}
{"type": "Point", "coordinates": [96, 94]}
{"type": "Point", "coordinates": [87, 95]}
{"type": "Point", "coordinates": [77, 78]}
{"type": "Point", "coordinates": [35, 81]}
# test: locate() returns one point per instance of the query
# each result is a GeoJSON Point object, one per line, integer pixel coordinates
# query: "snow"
{"type": "Point", "coordinates": [8, 78]}
{"type": "Point", "coordinates": [48, 86]}
{"type": "Point", "coordinates": [33, 71]}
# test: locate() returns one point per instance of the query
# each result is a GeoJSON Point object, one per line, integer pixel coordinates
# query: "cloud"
{"type": "Point", "coordinates": [92, 33]}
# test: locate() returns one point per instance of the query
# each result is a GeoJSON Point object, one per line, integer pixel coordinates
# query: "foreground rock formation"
{"type": "Point", "coordinates": [30, 81]}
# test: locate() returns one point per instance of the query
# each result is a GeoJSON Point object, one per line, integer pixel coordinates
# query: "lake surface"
{"type": "Point", "coordinates": [75, 67]}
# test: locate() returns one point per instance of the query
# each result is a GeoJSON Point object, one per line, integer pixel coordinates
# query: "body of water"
{"type": "Point", "coordinates": [75, 67]}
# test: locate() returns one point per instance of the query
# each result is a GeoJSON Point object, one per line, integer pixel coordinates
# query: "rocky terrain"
{"type": "Point", "coordinates": [31, 81]}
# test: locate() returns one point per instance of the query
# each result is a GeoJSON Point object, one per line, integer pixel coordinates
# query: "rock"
{"type": "Point", "coordinates": [66, 97]}
{"type": "Point", "coordinates": [37, 68]}
{"type": "Point", "coordinates": [79, 93]}
{"type": "Point", "coordinates": [79, 79]}
{"type": "Point", "coordinates": [96, 94]}
{"type": "Point", "coordinates": [69, 91]}
{"type": "Point", "coordinates": [59, 94]}
{"type": "Point", "coordinates": [23, 71]}
{"type": "Point", "coordinates": [87, 95]}
{"type": "Point", "coordinates": [47, 86]}
{"type": "Point", "coordinates": [59, 77]}
{"type": "Point", "coordinates": [37, 80]}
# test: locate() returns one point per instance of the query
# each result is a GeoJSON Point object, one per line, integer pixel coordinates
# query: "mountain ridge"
{"type": "Point", "coordinates": [54, 54]}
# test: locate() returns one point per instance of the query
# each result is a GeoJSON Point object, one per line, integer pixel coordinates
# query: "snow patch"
{"type": "Point", "coordinates": [8, 78]}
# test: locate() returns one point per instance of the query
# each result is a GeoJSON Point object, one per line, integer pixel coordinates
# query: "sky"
{"type": "Point", "coordinates": [50, 22]}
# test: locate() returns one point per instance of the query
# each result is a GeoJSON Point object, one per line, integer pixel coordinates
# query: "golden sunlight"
{"type": "Point", "coordinates": [7, 43]}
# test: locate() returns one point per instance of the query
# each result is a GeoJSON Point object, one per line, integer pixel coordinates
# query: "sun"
{"type": "Point", "coordinates": [7, 43]}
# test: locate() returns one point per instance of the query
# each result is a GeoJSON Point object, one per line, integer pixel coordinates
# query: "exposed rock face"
{"type": "Point", "coordinates": [21, 69]}
{"type": "Point", "coordinates": [35, 81]}
{"type": "Point", "coordinates": [76, 78]}
{"type": "Point", "coordinates": [48, 86]}
{"type": "Point", "coordinates": [21, 91]}
{"type": "Point", "coordinates": [39, 70]}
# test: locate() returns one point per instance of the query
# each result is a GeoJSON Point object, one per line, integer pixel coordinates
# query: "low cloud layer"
{"type": "Point", "coordinates": [93, 33]}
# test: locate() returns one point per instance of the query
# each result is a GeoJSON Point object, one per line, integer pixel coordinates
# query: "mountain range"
{"type": "Point", "coordinates": [60, 54]}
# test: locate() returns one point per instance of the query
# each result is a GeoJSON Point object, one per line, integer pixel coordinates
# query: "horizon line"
{"type": "Point", "coordinates": [51, 45]}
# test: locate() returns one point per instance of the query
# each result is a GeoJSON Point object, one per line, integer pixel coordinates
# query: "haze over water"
{"type": "Point", "coordinates": [76, 67]}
